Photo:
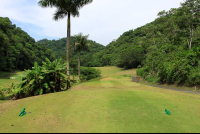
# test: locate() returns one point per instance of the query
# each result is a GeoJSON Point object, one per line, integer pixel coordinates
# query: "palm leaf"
{"type": "Point", "coordinates": [41, 91]}
{"type": "Point", "coordinates": [63, 75]}
{"type": "Point", "coordinates": [41, 77]}
{"type": "Point", "coordinates": [32, 81]}
{"type": "Point", "coordinates": [60, 14]}
{"type": "Point", "coordinates": [46, 85]}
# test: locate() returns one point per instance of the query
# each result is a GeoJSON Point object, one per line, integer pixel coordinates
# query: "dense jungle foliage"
{"type": "Point", "coordinates": [17, 49]}
{"type": "Point", "coordinates": [173, 52]}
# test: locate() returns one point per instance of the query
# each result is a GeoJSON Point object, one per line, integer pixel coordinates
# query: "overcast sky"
{"type": "Point", "coordinates": [103, 20]}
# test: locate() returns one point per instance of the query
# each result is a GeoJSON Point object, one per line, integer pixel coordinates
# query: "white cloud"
{"type": "Point", "coordinates": [104, 20]}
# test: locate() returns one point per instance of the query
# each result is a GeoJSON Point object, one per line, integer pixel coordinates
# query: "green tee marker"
{"type": "Point", "coordinates": [167, 112]}
{"type": "Point", "coordinates": [22, 112]}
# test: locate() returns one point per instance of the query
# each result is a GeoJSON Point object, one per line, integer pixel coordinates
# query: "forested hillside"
{"type": "Point", "coordinates": [58, 48]}
{"type": "Point", "coordinates": [17, 49]}
{"type": "Point", "coordinates": [125, 52]}
{"type": "Point", "coordinates": [168, 48]}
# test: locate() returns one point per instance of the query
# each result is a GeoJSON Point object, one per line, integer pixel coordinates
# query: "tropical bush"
{"type": "Point", "coordinates": [2, 96]}
{"type": "Point", "coordinates": [88, 73]}
{"type": "Point", "coordinates": [130, 58]}
{"type": "Point", "coordinates": [180, 68]}
{"type": "Point", "coordinates": [40, 80]}
{"type": "Point", "coordinates": [94, 63]}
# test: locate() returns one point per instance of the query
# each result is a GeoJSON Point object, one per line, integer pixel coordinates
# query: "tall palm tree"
{"type": "Point", "coordinates": [65, 8]}
{"type": "Point", "coordinates": [81, 44]}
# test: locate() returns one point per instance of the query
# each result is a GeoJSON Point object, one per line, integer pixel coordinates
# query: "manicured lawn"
{"type": "Point", "coordinates": [113, 105]}
{"type": "Point", "coordinates": [3, 73]}
{"type": "Point", "coordinates": [114, 71]}
{"type": "Point", "coordinates": [5, 80]}
{"type": "Point", "coordinates": [1, 101]}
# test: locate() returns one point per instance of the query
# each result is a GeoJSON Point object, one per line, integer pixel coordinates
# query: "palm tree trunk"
{"type": "Point", "coordinates": [79, 65]}
{"type": "Point", "coordinates": [68, 45]}
{"type": "Point", "coordinates": [68, 49]}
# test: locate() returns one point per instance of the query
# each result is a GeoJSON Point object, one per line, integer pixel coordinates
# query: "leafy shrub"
{"type": "Point", "coordinates": [94, 63]}
{"type": "Point", "coordinates": [139, 66]}
{"type": "Point", "coordinates": [142, 71]}
{"type": "Point", "coordinates": [130, 58]}
{"type": "Point", "coordinates": [88, 73]}
{"type": "Point", "coordinates": [41, 80]}
{"type": "Point", "coordinates": [182, 67]}
{"type": "Point", "coordinates": [194, 77]}
{"type": "Point", "coordinates": [2, 96]}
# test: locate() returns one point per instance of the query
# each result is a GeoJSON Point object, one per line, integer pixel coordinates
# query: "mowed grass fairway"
{"type": "Point", "coordinates": [5, 80]}
{"type": "Point", "coordinates": [113, 105]}
{"type": "Point", "coordinates": [114, 71]}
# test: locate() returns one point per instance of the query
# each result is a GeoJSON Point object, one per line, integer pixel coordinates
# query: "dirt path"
{"type": "Point", "coordinates": [175, 89]}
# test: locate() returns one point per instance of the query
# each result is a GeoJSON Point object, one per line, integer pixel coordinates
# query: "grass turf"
{"type": "Point", "coordinates": [5, 80]}
{"type": "Point", "coordinates": [114, 71]}
{"type": "Point", "coordinates": [3, 73]}
{"type": "Point", "coordinates": [113, 105]}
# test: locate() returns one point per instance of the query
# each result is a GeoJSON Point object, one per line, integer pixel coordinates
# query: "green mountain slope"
{"type": "Point", "coordinates": [167, 48]}
{"type": "Point", "coordinates": [17, 49]}
{"type": "Point", "coordinates": [58, 48]}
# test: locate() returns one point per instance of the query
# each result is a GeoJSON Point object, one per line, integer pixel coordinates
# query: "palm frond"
{"type": "Point", "coordinates": [32, 81]}
{"type": "Point", "coordinates": [60, 14]}
{"type": "Point", "coordinates": [47, 3]}
{"type": "Point", "coordinates": [64, 7]}
{"type": "Point", "coordinates": [81, 42]}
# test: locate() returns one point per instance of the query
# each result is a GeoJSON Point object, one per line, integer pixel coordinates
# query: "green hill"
{"type": "Point", "coordinates": [58, 48]}
{"type": "Point", "coordinates": [17, 49]}
{"type": "Point", "coordinates": [167, 48]}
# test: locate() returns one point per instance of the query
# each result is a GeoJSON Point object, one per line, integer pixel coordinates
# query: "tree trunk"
{"type": "Point", "coordinates": [68, 45]}
{"type": "Point", "coordinates": [154, 41]}
{"type": "Point", "coordinates": [79, 65]}
{"type": "Point", "coordinates": [189, 41]}
{"type": "Point", "coordinates": [68, 49]}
